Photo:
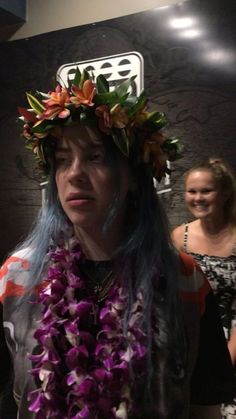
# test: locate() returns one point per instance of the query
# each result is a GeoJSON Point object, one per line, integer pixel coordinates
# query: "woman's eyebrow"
{"type": "Point", "coordinates": [93, 144]}
{"type": "Point", "coordinates": [61, 149]}
{"type": "Point", "coordinates": [91, 148]}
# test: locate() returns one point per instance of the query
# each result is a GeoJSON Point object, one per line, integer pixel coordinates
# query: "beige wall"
{"type": "Point", "coordinates": [50, 15]}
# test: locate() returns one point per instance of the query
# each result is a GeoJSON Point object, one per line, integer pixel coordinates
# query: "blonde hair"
{"type": "Point", "coordinates": [225, 180]}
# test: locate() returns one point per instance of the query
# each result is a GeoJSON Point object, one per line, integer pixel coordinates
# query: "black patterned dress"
{"type": "Point", "coordinates": [221, 273]}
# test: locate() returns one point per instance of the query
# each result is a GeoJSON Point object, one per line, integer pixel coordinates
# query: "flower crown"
{"type": "Point", "coordinates": [116, 113]}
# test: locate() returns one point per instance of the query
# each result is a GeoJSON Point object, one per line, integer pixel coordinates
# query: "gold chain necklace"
{"type": "Point", "coordinates": [101, 290]}
{"type": "Point", "coordinates": [100, 286]}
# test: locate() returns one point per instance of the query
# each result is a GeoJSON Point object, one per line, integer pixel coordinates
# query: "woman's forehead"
{"type": "Point", "coordinates": [79, 136]}
{"type": "Point", "coordinates": [200, 177]}
{"type": "Point", "coordinates": [200, 174]}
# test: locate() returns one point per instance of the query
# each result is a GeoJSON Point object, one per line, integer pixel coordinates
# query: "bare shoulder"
{"type": "Point", "coordinates": [177, 236]}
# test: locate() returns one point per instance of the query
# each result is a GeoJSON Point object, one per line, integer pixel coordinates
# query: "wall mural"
{"type": "Point", "coordinates": [188, 70]}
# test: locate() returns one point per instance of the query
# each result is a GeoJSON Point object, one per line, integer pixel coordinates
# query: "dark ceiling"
{"type": "Point", "coordinates": [12, 17]}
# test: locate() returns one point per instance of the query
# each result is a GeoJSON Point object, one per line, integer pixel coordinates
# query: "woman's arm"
{"type": "Point", "coordinates": [232, 347]}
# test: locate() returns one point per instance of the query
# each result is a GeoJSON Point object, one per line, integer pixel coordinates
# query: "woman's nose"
{"type": "Point", "coordinates": [77, 170]}
{"type": "Point", "coordinates": [198, 196]}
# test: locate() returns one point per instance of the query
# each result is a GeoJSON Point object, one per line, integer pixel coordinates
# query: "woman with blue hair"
{"type": "Point", "coordinates": [102, 318]}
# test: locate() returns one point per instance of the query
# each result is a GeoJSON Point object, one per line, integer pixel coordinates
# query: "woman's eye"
{"type": "Point", "coordinates": [96, 157]}
{"type": "Point", "coordinates": [208, 191]}
{"type": "Point", "coordinates": [61, 160]}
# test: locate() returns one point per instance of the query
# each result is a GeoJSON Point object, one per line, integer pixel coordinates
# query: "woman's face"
{"type": "Point", "coordinates": [202, 196]}
{"type": "Point", "coordinates": [86, 181]}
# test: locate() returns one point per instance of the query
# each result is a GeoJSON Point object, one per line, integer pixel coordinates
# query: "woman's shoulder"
{"type": "Point", "coordinates": [14, 273]}
{"type": "Point", "coordinates": [180, 233]}
{"type": "Point", "coordinates": [184, 226]}
{"type": "Point", "coordinates": [177, 235]}
{"type": "Point", "coordinates": [177, 232]}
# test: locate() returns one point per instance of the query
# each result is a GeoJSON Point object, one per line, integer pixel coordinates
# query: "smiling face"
{"type": "Point", "coordinates": [87, 181]}
{"type": "Point", "coordinates": [202, 196]}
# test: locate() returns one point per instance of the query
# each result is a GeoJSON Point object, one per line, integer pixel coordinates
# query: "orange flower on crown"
{"type": "Point", "coordinates": [56, 104]}
{"type": "Point", "coordinates": [116, 117]}
{"type": "Point", "coordinates": [83, 96]}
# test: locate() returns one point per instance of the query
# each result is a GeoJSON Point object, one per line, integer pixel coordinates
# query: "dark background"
{"type": "Point", "coordinates": [192, 79]}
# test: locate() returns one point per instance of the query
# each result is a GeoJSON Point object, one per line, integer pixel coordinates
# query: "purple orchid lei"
{"type": "Point", "coordinates": [83, 369]}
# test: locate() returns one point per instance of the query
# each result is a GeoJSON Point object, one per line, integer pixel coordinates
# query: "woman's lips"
{"type": "Point", "coordinates": [77, 200]}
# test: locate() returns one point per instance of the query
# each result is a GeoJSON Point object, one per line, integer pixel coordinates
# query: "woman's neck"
{"type": "Point", "coordinates": [214, 227]}
{"type": "Point", "coordinates": [99, 245]}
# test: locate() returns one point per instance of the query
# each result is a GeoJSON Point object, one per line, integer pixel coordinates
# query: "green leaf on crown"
{"type": "Point", "coordinates": [173, 147]}
{"type": "Point", "coordinates": [124, 86]}
{"type": "Point", "coordinates": [102, 84]}
{"type": "Point", "coordinates": [42, 127]}
{"type": "Point", "coordinates": [35, 104]}
{"type": "Point", "coordinates": [155, 121]}
{"type": "Point", "coordinates": [77, 78]}
{"type": "Point", "coordinates": [84, 76]}
{"type": "Point", "coordinates": [137, 104]}
{"type": "Point", "coordinates": [121, 140]}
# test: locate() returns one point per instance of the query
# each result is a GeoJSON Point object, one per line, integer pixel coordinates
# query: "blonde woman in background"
{"type": "Point", "coordinates": [210, 196]}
